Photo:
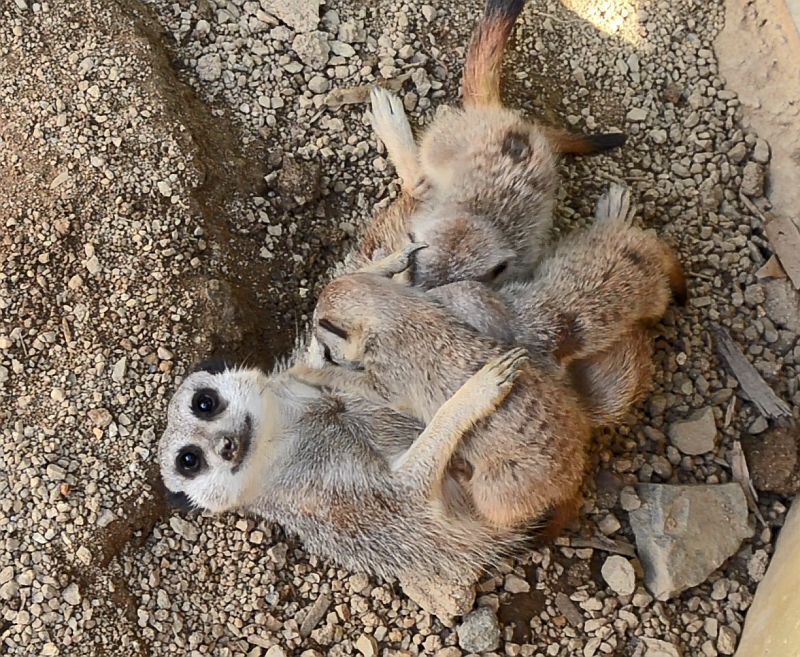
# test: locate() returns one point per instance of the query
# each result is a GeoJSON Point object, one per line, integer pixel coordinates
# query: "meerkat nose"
{"type": "Point", "coordinates": [235, 447]}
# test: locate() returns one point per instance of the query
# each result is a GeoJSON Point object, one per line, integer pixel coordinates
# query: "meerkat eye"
{"type": "Point", "coordinates": [206, 403]}
{"type": "Point", "coordinates": [499, 269]}
{"type": "Point", "coordinates": [326, 354]}
{"type": "Point", "coordinates": [189, 460]}
{"type": "Point", "coordinates": [328, 326]}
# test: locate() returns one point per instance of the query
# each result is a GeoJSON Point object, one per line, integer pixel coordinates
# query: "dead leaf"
{"type": "Point", "coordinates": [729, 412]}
{"type": "Point", "coordinates": [604, 543]}
{"type": "Point", "coordinates": [360, 94]}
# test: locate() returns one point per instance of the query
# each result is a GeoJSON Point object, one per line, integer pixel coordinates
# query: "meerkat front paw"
{"type": "Point", "coordinates": [395, 263]}
{"type": "Point", "coordinates": [490, 385]}
{"type": "Point", "coordinates": [421, 188]}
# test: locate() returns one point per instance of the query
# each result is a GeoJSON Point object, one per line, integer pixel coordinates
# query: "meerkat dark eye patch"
{"type": "Point", "coordinates": [190, 461]}
{"type": "Point", "coordinates": [499, 269]}
{"type": "Point", "coordinates": [516, 146]}
{"type": "Point", "coordinates": [179, 501]}
{"type": "Point", "coordinates": [206, 404]}
{"type": "Point", "coordinates": [326, 354]}
{"type": "Point", "coordinates": [332, 328]}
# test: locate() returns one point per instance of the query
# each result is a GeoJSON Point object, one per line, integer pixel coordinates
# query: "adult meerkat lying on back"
{"type": "Point", "coordinates": [484, 176]}
{"type": "Point", "coordinates": [356, 482]}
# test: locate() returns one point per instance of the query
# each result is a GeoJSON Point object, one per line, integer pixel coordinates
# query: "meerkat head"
{"type": "Point", "coordinates": [342, 325]}
{"type": "Point", "coordinates": [356, 313]}
{"type": "Point", "coordinates": [209, 453]}
{"type": "Point", "coordinates": [460, 248]}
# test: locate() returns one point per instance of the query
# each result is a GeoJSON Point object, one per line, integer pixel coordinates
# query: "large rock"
{"type": "Point", "coordinates": [772, 626]}
{"type": "Point", "coordinates": [684, 533]}
{"type": "Point", "coordinates": [313, 49]}
{"type": "Point", "coordinates": [618, 573]}
{"type": "Point", "coordinates": [480, 631]}
{"type": "Point", "coordinates": [445, 600]}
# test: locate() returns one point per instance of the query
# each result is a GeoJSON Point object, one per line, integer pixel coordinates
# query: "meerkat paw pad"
{"type": "Point", "coordinates": [500, 373]}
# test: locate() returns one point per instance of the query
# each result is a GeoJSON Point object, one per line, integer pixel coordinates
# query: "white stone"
{"type": "Point", "coordinates": [618, 573]}
{"type": "Point", "coordinates": [209, 67]}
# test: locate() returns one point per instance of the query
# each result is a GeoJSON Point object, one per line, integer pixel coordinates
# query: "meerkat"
{"type": "Point", "coordinates": [358, 483]}
{"type": "Point", "coordinates": [608, 282]}
{"type": "Point", "coordinates": [484, 175]}
{"type": "Point", "coordinates": [479, 190]}
{"type": "Point", "coordinates": [396, 345]}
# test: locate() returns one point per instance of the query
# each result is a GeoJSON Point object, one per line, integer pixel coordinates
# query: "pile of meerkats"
{"type": "Point", "coordinates": [458, 364]}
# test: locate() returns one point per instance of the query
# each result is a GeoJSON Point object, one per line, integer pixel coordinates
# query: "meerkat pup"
{"type": "Point", "coordinates": [358, 483]}
{"type": "Point", "coordinates": [397, 345]}
{"type": "Point", "coordinates": [484, 176]}
{"type": "Point", "coordinates": [588, 305]}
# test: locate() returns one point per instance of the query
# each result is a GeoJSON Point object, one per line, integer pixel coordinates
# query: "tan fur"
{"type": "Point", "coordinates": [587, 307]}
{"type": "Point", "coordinates": [524, 459]}
{"type": "Point", "coordinates": [358, 483]}
{"type": "Point", "coordinates": [612, 382]}
{"type": "Point", "coordinates": [485, 175]}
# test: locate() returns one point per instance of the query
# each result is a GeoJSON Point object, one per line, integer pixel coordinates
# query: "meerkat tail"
{"type": "Point", "coordinates": [481, 81]}
{"type": "Point", "coordinates": [677, 277]}
{"type": "Point", "coordinates": [566, 143]}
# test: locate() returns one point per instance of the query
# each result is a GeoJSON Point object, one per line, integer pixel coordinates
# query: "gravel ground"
{"type": "Point", "coordinates": [178, 178]}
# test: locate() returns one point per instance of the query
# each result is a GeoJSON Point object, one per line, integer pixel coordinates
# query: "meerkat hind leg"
{"type": "Point", "coordinates": [390, 123]}
{"type": "Point", "coordinates": [425, 462]}
{"type": "Point", "coordinates": [615, 205]}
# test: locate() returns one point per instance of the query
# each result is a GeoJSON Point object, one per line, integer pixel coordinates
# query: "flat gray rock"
{"type": "Point", "coordinates": [696, 434]}
{"type": "Point", "coordinates": [684, 533]}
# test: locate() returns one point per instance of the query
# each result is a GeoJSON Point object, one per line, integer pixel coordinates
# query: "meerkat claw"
{"type": "Point", "coordinates": [421, 188]}
{"type": "Point", "coordinates": [395, 263]}
{"type": "Point", "coordinates": [490, 385]}
{"type": "Point", "coordinates": [615, 205]}
{"type": "Point", "coordinates": [506, 368]}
